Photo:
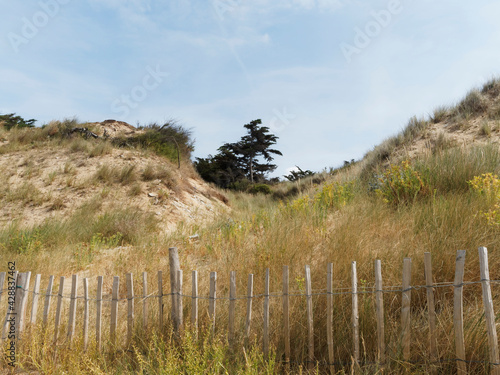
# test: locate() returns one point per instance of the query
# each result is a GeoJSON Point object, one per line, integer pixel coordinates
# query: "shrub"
{"type": "Point", "coordinates": [170, 140]}
{"type": "Point", "coordinates": [488, 185]}
{"type": "Point", "coordinates": [26, 241]}
{"type": "Point", "coordinates": [260, 189]}
{"type": "Point", "coordinates": [402, 184]}
{"type": "Point", "coordinates": [12, 121]}
{"type": "Point", "coordinates": [335, 195]}
{"type": "Point", "coordinates": [296, 175]}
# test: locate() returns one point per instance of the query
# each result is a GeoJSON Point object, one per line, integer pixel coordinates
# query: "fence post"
{"type": "Point", "coordinates": [179, 314]}
{"type": "Point", "coordinates": [130, 305]}
{"type": "Point", "coordinates": [114, 309]}
{"type": "Point", "coordinates": [144, 301]}
{"type": "Point", "coordinates": [249, 308]}
{"type": "Point", "coordinates": [431, 306]}
{"type": "Point", "coordinates": [46, 305]}
{"type": "Point", "coordinates": [488, 311]}
{"type": "Point", "coordinates": [98, 319]}
{"type": "Point", "coordinates": [24, 301]}
{"type": "Point", "coordinates": [86, 314]}
{"type": "Point", "coordinates": [310, 325]}
{"type": "Point", "coordinates": [355, 311]}
{"type": "Point", "coordinates": [22, 283]}
{"type": "Point", "coordinates": [213, 296]}
{"type": "Point", "coordinates": [458, 312]}
{"type": "Point", "coordinates": [286, 314]}
{"type": "Point", "coordinates": [232, 307]}
{"type": "Point", "coordinates": [329, 315]}
{"type": "Point", "coordinates": [265, 338]}
{"type": "Point", "coordinates": [406, 309]}
{"type": "Point", "coordinates": [160, 300]}
{"type": "Point", "coordinates": [173, 259]}
{"type": "Point", "coordinates": [194, 301]}
{"type": "Point", "coordinates": [36, 295]}
{"type": "Point", "coordinates": [72, 308]}
{"type": "Point", "coordinates": [2, 282]}
{"type": "Point", "coordinates": [379, 301]}
{"type": "Point", "coordinates": [58, 309]}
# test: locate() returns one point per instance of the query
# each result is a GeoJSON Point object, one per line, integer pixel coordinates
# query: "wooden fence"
{"type": "Point", "coordinates": [15, 290]}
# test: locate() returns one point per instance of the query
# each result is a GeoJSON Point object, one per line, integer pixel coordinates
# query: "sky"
{"type": "Point", "coordinates": [331, 78]}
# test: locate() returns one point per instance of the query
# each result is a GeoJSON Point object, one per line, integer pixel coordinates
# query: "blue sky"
{"type": "Point", "coordinates": [331, 78]}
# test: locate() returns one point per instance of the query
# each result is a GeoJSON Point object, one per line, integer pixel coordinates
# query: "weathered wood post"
{"type": "Point", "coordinates": [458, 312]}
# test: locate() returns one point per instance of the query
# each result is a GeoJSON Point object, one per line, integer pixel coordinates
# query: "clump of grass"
{"type": "Point", "coordinates": [414, 128]}
{"type": "Point", "coordinates": [155, 172]}
{"type": "Point", "coordinates": [135, 189]}
{"type": "Point", "coordinates": [57, 204]}
{"type": "Point", "coordinates": [441, 142]}
{"type": "Point", "coordinates": [494, 113]}
{"type": "Point", "coordinates": [127, 174]}
{"type": "Point", "coordinates": [79, 144]}
{"type": "Point", "coordinates": [485, 129]}
{"type": "Point", "coordinates": [472, 105]}
{"type": "Point", "coordinates": [27, 193]}
{"type": "Point", "coordinates": [491, 88]}
{"type": "Point", "coordinates": [69, 168]}
{"type": "Point", "coordinates": [106, 174]}
{"type": "Point", "coordinates": [100, 149]}
{"type": "Point", "coordinates": [51, 177]}
{"type": "Point", "coordinates": [440, 114]}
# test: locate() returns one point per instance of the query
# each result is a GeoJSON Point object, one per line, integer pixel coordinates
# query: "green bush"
{"type": "Point", "coordinates": [170, 140]}
{"type": "Point", "coordinates": [402, 184]}
{"type": "Point", "coordinates": [335, 195]}
{"type": "Point", "coordinates": [260, 189]}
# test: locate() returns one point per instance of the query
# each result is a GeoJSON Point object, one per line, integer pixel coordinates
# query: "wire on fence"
{"type": "Point", "coordinates": [336, 292]}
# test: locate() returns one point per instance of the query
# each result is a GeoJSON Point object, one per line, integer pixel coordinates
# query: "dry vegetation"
{"type": "Point", "coordinates": [361, 213]}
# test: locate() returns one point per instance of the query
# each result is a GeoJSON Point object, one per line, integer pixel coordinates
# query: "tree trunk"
{"type": "Point", "coordinates": [251, 170]}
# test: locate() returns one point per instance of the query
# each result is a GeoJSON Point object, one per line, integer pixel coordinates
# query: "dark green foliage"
{"type": "Point", "coordinates": [260, 189]}
{"type": "Point", "coordinates": [10, 121]}
{"type": "Point", "coordinates": [242, 160]}
{"type": "Point", "coordinates": [256, 144]}
{"type": "Point", "coordinates": [297, 175]}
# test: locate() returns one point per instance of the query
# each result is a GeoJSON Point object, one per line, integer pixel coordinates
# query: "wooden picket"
{"type": "Point", "coordinates": [384, 354]}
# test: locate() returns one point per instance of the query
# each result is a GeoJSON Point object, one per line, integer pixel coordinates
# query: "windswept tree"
{"type": "Point", "coordinates": [249, 159]}
{"type": "Point", "coordinates": [256, 144]}
{"type": "Point", "coordinates": [10, 121]}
